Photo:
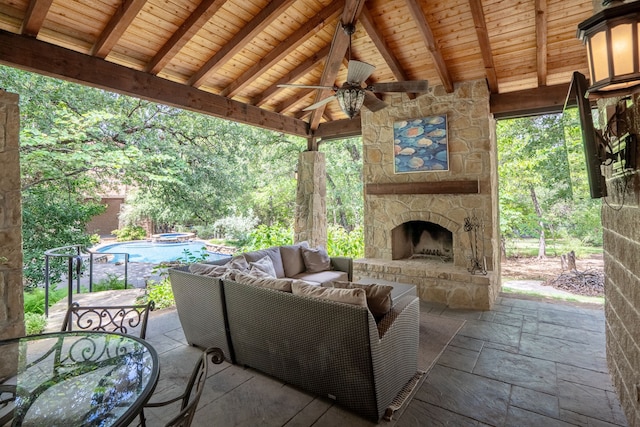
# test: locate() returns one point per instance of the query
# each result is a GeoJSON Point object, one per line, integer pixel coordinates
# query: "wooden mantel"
{"type": "Point", "coordinates": [434, 187]}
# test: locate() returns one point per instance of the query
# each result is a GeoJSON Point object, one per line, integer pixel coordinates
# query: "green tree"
{"type": "Point", "coordinates": [542, 175]}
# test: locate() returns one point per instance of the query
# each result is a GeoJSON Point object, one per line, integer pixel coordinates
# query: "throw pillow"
{"type": "Point", "coordinates": [378, 296]}
{"type": "Point", "coordinates": [316, 259]}
{"type": "Point", "coordinates": [283, 285]}
{"type": "Point", "coordinates": [212, 270]}
{"type": "Point", "coordinates": [348, 296]}
{"type": "Point", "coordinates": [292, 260]}
{"type": "Point", "coordinates": [239, 263]}
{"type": "Point", "coordinates": [273, 253]}
{"type": "Point", "coordinates": [264, 265]}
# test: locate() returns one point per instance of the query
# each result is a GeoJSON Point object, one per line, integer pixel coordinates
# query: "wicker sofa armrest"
{"type": "Point", "coordinates": [345, 264]}
{"type": "Point", "coordinates": [395, 352]}
{"type": "Point", "coordinates": [201, 309]}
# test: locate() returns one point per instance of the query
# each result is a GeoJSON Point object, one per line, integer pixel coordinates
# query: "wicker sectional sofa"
{"type": "Point", "coordinates": [336, 350]}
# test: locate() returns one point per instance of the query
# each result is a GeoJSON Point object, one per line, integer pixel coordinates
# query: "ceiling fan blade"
{"type": "Point", "coordinates": [358, 71]}
{"type": "Point", "coordinates": [410, 86]}
{"type": "Point", "coordinates": [308, 86]}
{"type": "Point", "coordinates": [319, 103]}
{"type": "Point", "coordinates": [372, 102]}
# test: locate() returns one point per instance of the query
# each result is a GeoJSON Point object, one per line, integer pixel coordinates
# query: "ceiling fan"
{"type": "Point", "coordinates": [352, 95]}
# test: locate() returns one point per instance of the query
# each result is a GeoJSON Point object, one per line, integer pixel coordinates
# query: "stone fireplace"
{"type": "Point", "coordinates": [417, 225]}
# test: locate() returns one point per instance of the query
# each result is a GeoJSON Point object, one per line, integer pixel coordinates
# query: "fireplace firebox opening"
{"type": "Point", "coordinates": [422, 240]}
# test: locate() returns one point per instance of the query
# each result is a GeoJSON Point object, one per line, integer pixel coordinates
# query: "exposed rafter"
{"type": "Point", "coordinates": [294, 75]}
{"type": "Point", "coordinates": [116, 27]}
{"type": "Point", "coordinates": [427, 35]}
{"type": "Point", "coordinates": [541, 41]}
{"type": "Point", "coordinates": [35, 16]}
{"type": "Point", "coordinates": [281, 51]}
{"type": "Point", "coordinates": [187, 30]}
{"type": "Point", "coordinates": [485, 44]}
{"type": "Point", "coordinates": [378, 40]}
{"type": "Point", "coordinates": [236, 44]}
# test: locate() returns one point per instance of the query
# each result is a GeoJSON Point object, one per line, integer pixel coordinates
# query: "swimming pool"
{"type": "Point", "coordinates": [155, 253]}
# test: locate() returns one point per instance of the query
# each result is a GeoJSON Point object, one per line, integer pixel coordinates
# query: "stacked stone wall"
{"type": "Point", "coordinates": [472, 158]}
{"type": "Point", "coordinates": [11, 298]}
{"type": "Point", "coordinates": [621, 238]}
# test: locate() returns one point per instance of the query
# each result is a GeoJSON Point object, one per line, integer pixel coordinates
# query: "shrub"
{"type": "Point", "coordinates": [34, 323]}
{"type": "Point", "coordinates": [160, 293]}
{"type": "Point", "coordinates": [130, 232]}
{"type": "Point", "coordinates": [111, 282]}
{"type": "Point", "coordinates": [340, 242]}
{"type": "Point", "coordinates": [265, 236]}
{"type": "Point", "coordinates": [34, 299]}
{"type": "Point", "coordinates": [235, 227]}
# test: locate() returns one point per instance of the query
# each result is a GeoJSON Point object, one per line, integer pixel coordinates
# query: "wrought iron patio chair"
{"type": "Point", "coordinates": [190, 397]}
{"type": "Point", "coordinates": [126, 319]}
{"type": "Point", "coordinates": [7, 398]}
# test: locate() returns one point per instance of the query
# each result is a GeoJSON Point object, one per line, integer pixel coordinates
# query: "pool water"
{"type": "Point", "coordinates": [149, 252]}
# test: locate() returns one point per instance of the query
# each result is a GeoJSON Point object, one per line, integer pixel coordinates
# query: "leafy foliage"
{"type": "Point", "coordinates": [130, 232]}
{"type": "Point", "coordinates": [160, 293]}
{"type": "Point", "coordinates": [34, 323]}
{"type": "Point", "coordinates": [341, 242]}
{"type": "Point", "coordinates": [264, 236]}
{"type": "Point", "coordinates": [543, 185]}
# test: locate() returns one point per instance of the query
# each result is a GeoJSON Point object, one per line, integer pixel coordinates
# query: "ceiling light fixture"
{"type": "Point", "coordinates": [613, 48]}
{"type": "Point", "coordinates": [351, 98]}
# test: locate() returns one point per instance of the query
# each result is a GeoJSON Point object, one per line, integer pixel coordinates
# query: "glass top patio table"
{"type": "Point", "coordinates": [78, 378]}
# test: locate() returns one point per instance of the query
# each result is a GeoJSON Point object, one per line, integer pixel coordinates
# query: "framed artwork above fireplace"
{"type": "Point", "coordinates": [421, 145]}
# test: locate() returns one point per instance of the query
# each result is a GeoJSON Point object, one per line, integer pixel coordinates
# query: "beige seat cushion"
{"type": "Point", "coordinates": [378, 296]}
{"type": "Point", "coordinates": [211, 270]}
{"type": "Point", "coordinates": [323, 278]}
{"type": "Point", "coordinates": [283, 285]}
{"type": "Point", "coordinates": [348, 296]}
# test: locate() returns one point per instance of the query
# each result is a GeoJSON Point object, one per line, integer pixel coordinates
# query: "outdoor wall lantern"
{"type": "Point", "coordinates": [613, 48]}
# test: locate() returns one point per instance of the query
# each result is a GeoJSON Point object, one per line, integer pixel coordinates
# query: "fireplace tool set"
{"type": "Point", "coordinates": [478, 261]}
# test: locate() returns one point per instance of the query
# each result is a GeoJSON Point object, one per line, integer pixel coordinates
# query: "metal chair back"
{"type": "Point", "coordinates": [125, 319]}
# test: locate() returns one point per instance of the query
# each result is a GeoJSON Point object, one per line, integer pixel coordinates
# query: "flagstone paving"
{"type": "Point", "coordinates": [527, 362]}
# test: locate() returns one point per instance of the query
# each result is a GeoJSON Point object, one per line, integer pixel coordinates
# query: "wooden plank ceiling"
{"type": "Point", "coordinates": [227, 57]}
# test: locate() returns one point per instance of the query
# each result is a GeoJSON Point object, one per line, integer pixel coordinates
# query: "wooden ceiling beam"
{"type": "Point", "coordinates": [33, 55]}
{"type": "Point", "coordinates": [427, 36]}
{"type": "Point", "coordinates": [339, 129]}
{"type": "Point", "coordinates": [301, 70]}
{"type": "Point", "coordinates": [293, 101]}
{"type": "Point", "coordinates": [378, 40]}
{"type": "Point", "coordinates": [485, 45]}
{"type": "Point", "coordinates": [116, 27]}
{"type": "Point", "coordinates": [542, 100]}
{"type": "Point", "coordinates": [261, 21]}
{"type": "Point", "coordinates": [339, 45]}
{"type": "Point", "coordinates": [301, 35]}
{"type": "Point", "coordinates": [34, 17]}
{"type": "Point", "coordinates": [200, 16]}
{"type": "Point", "coordinates": [541, 41]}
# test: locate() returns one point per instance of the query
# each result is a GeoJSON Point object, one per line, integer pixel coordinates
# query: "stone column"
{"type": "Point", "coordinates": [11, 299]}
{"type": "Point", "coordinates": [311, 207]}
